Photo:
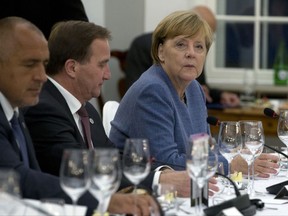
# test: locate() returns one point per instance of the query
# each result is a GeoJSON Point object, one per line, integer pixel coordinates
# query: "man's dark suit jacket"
{"type": "Point", "coordinates": [34, 184]}
{"type": "Point", "coordinates": [53, 128]}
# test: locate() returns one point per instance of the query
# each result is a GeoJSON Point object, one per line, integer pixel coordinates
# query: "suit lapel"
{"type": "Point", "coordinates": [55, 93]}
{"type": "Point", "coordinates": [7, 127]}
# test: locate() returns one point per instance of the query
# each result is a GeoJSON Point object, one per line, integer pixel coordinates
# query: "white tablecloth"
{"type": "Point", "coordinates": [280, 206]}
{"type": "Point", "coordinates": [25, 208]}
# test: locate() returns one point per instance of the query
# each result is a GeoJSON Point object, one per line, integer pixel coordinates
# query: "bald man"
{"type": "Point", "coordinates": [139, 60]}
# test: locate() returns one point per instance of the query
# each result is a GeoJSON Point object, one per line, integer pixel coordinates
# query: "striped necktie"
{"type": "Point", "coordinates": [82, 112]}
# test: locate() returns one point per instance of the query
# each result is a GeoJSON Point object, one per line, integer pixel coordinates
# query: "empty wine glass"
{"type": "Point", "coordinates": [9, 182]}
{"type": "Point", "coordinates": [221, 182]}
{"type": "Point", "coordinates": [74, 173]}
{"type": "Point", "coordinates": [229, 141]}
{"type": "Point", "coordinates": [253, 141]}
{"type": "Point", "coordinates": [282, 128]}
{"type": "Point", "coordinates": [9, 191]}
{"type": "Point", "coordinates": [247, 155]}
{"type": "Point", "coordinates": [136, 161]}
{"type": "Point", "coordinates": [105, 176]}
{"type": "Point", "coordinates": [196, 163]}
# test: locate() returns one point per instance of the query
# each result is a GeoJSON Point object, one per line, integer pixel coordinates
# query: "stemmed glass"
{"type": "Point", "coordinates": [196, 163]}
{"type": "Point", "coordinates": [105, 174]}
{"type": "Point", "coordinates": [247, 155]}
{"type": "Point", "coordinates": [9, 191]}
{"type": "Point", "coordinates": [136, 161]}
{"type": "Point", "coordinates": [229, 141]}
{"type": "Point", "coordinates": [282, 129]}
{"type": "Point", "coordinates": [253, 141]}
{"type": "Point", "coordinates": [74, 173]}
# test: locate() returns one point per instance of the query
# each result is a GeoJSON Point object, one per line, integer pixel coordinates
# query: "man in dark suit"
{"type": "Point", "coordinates": [23, 57]}
{"type": "Point", "coordinates": [77, 69]}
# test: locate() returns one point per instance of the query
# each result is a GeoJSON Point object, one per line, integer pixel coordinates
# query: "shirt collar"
{"type": "Point", "coordinates": [7, 108]}
{"type": "Point", "coordinates": [73, 103]}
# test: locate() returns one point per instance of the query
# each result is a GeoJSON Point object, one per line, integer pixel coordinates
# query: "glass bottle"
{"type": "Point", "coordinates": [281, 65]}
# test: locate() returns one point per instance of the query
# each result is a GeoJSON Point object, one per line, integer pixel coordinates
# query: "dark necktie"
{"type": "Point", "coordinates": [82, 112]}
{"type": "Point", "coordinates": [20, 139]}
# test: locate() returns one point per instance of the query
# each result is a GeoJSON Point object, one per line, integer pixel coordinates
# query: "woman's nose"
{"type": "Point", "coordinates": [190, 52]}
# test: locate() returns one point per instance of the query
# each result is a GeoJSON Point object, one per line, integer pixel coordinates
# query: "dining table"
{"type": "Point", "coordinates": [272, 206]}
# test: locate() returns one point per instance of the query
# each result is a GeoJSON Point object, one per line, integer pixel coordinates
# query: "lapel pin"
{"type": "Point", "coordinates": [91, 120]}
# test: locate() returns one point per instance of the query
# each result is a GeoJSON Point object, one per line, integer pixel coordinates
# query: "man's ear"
{"type": "Point", "coordinates": [71, 67]}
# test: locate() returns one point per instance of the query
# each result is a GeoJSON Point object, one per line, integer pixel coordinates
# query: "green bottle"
{"type": "Point", "coordinates": [281, 65]}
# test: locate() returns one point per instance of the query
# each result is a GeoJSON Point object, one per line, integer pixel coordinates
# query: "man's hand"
{"type": "Point", "coordinates": [125, 204]}
{"type": "Point", "coordinates": [213, 186]}
{"type": "Point", "coordinates": [264, 165]}
{"type": "Point", "coordinates": [229, 99]}
{"type": "Point", "coordinates": [182, 182]}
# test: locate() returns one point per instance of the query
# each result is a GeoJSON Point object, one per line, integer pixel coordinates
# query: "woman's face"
{"type": "Point", "coordinates": [183, 58]}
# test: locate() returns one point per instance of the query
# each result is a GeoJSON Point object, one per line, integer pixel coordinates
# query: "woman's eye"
{"type": "Point", "coordinates": [181, 45]}
{"type": "Point", "coordinates": [199, 48]}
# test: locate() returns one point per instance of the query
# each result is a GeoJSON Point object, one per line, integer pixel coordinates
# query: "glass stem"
{"type": "Point", "coordinates": [200, 201]}
{"type": "Point", "coordinates": [135, 200]}
{"type": "Point", "coordinates": [249, 181]}
{"type": "Point", "coordinates": [228, 182]}
{"type": "Point", "coordinates": [101, 205]}
{"type": "Point", "coordinates": [253, 177]}
{"type": "Point", "coordinates": [197, 199]}
{"type": "Point", "coordinates": [74, 203]}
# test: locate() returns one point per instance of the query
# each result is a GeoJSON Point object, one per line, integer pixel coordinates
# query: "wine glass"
{"type": "Point", "coordinates": [221, 182]}
{"type": "Point", "coordinates": [196, 163]}
{"type": "Point", "coordinates": [247, 155]}
{"type": "Point", "coordinates": [136, 161]}
{"type": "Point", "coordinates": [74, 173]}
{"type": "Point", "coordinates": [229, 141]}
{"type": "Point", "coordinates": [9, 191]}
{"type": "Point", "coordinates": [282, 128]}
{"type": "Point", "coordinates": [253, 142]}
{"type": "Point", "coordinates": [105, 174]}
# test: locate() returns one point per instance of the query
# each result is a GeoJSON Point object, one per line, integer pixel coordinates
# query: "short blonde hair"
{"type": "Point", "coordinates": [178, 23]}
